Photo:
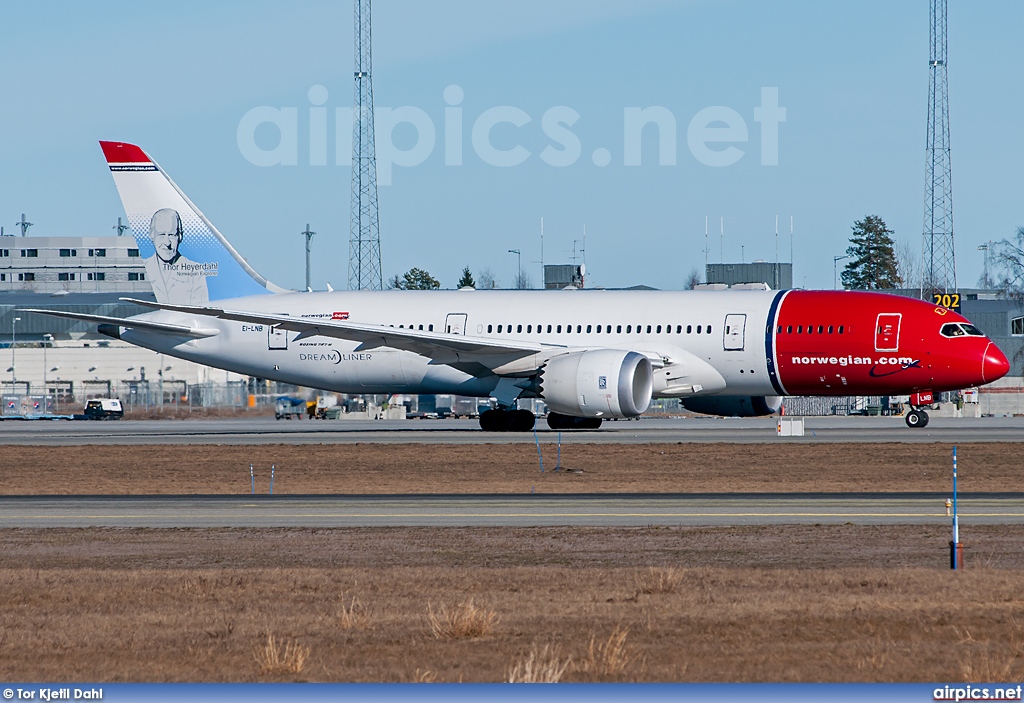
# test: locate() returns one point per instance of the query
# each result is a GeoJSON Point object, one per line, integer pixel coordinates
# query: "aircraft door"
{"type": "Point", "coordinates": [276, 338]}
{"type": "Point", "coordinates": [455, 323]}
{"type": "Point", "coordinates": [734, 332]}
{"type": "Point", "coordinates": [887, 332]}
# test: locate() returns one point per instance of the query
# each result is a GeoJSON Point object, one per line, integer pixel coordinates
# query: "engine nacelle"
{"type": "Point", "coordinates": [600, 383]}
{"type": "Point", "coordinates": [734, 405]}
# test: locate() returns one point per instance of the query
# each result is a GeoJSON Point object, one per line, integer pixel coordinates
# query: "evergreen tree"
{"type": "Point", "coordinates": [414, 279]}
{"type": "Point", "coordinates": [873, 264]}
{"type": "Point", "coordinates": [467, 279]}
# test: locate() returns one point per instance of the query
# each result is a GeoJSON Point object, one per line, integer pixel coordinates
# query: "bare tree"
{"type": "Point", "coordinates": [908, 263]}
{"type": "Point", "coordinates": [486, 280]}
{"type": "Point", "coordinates": [692, 280]}
{"type": "Point", "coordinates": [1007, 260]}
{"type": "Point", "coordinates": [523, 281]}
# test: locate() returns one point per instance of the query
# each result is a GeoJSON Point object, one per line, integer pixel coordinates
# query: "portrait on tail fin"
{"type": "Point", "coordinates": [175, 278]}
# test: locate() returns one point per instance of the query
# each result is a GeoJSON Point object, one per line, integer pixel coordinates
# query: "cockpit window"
{"type": "Point", "coordinates": [962, 329]}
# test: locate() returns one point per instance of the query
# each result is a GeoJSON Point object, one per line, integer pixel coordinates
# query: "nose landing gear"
{"type": "Point", "coordinates": [917, 418]}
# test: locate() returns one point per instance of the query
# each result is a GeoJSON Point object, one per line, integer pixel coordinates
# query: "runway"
{"type": "Point", "coordinates": [627, 510]}
{"type": "Point", "coordinates": [263, 430]}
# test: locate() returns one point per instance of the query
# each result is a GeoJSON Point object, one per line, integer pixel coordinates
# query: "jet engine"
{"type": "Point", "coordinates": [603, 383]}
{"type": "Point", "coordinates": [734, 405]}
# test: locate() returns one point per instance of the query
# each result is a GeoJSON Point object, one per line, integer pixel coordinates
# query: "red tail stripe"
{"type": "Point", "coordinates": [121, 153]}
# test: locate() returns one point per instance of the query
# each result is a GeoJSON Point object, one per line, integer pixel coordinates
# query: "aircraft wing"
{"type": "Point", "coordinates": [455, 350]}
{"type": "Point", "coordinates": [148, 326]}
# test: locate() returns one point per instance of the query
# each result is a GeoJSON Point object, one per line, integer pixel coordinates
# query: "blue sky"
{"type": "Point", "coordinates": [177, 79]}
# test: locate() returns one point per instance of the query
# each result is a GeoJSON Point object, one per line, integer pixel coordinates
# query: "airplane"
{"type": "Point", "coordinates": [591, 355]}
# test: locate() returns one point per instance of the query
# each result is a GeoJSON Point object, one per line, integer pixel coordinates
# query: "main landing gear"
{"type": "Point", "coordinates": [557, 421]}
{"type": "Point", "coordinates": [917, 418]}
{"type": "Point", "coordinates": [500, 420]}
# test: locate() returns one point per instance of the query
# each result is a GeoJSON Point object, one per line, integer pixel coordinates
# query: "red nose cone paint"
{"type": "Point", "coordinates": [994, 365]}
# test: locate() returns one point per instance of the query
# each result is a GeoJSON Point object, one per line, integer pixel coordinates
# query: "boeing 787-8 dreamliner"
{"type": "Point", "coordinates": [590, 355]}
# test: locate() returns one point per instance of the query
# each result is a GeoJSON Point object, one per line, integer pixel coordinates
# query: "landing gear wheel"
{"type": "Point", "coordinates": [521, 420]}
{"type": "Point", "coordinates": [557, 421]}
{"type": "Point", "coordinates": [507, 420]}
{"type": "Point", "coordinates": [917, 418]}
{"type": "Point", "coordinates": [493, 421]}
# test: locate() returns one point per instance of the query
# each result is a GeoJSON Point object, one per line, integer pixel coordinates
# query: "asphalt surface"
{"type": "Point", "coordinates": [263, 430]}
{"type": "Point", "coordinates": [627, 510]}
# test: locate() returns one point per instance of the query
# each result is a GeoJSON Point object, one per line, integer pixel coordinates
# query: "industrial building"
{"type": "Point", "coordinates": [68, 361]}
{"type": "Point", "coordinates": [60, 265]}
{"type": "Point", "coordinates": [777, 276]}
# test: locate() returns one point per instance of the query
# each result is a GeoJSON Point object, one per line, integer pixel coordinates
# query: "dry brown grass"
{"type": "Point", "coordinates": [608, 659]}
{"type": "Point", "coordinates": [544, 665]}
{"type": "Point", "coordinates": [510, 468]}
{"type": "Point", "coordinates": [657, 580]}
{"type": "Point", "coordinates": [353, 615]}
{"type": "Point", "coordinates": [464, 621]}
{"type": "Point", "coordinates": [987, 661]}
{"type": "Point", "coordinates": [780, 603]}
{"type": "Point", "coordinates": [284, 657]}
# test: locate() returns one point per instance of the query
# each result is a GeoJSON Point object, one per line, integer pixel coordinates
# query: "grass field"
{"type": "Point", "coordinates": [439, 468]}
{"type": "Point", "coordinates": [781, 603]}
{"type": "Point", "coordinates": [792, 603]}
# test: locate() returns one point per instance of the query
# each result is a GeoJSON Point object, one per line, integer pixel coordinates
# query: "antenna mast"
{"type": "Point", "coordinates": [364, 268]}
{"type": "Point", "coordinates": [939, 260]}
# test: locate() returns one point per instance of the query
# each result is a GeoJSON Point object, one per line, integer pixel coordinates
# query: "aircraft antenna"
{"type": "Point", "coordinates": [364, 268]}
{"type": "Point", "coordinates": [939, 261]}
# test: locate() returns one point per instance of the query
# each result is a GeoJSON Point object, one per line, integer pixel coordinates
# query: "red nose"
{"type": "Point", "coordinates": [994, 364]}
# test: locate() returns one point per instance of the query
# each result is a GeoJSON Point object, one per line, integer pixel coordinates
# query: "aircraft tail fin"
{"type": "Point", "coordinates": [187, 260]}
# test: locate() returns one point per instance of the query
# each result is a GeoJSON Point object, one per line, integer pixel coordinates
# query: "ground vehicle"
{"type": "Point", "coordinates": [286, 408]}
{"type": "Point", "coordinates": [103, 409]}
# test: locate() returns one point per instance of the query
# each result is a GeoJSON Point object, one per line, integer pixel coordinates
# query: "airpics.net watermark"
{"type": "Point", "coordinates": [714, 135]}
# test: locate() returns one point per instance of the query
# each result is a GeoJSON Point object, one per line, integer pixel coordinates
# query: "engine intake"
{"type": "Point", "coordinates": [599, 383]}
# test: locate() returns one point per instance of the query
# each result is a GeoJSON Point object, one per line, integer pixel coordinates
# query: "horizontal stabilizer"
{"type": "Point", "coordinates": [146, 325]}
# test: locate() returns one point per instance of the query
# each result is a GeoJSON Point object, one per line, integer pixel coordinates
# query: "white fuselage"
{"type": "Point", "coordinates": [678, 327]}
